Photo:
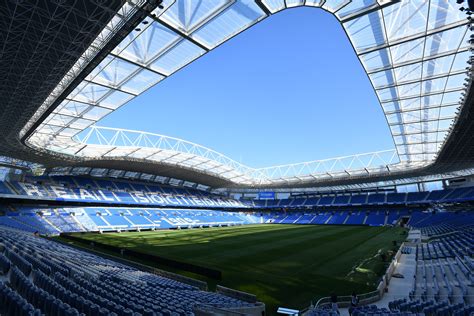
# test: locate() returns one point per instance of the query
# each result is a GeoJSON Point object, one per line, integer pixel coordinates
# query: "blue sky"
{"type": "Point", "coordinates": [289, 89]}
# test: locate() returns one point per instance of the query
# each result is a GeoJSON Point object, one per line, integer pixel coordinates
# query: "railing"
{"type": "Point", "coordinates": [365, 298]}
{"type": "Point", "coordinates": [243, 296]}
{"type": "Point", "coordinates": [212, 309]}
{"type": "Point", "coordinates": [177, 277]}
{"type": "Point", "coordinates": [345, 301]}
{"type": "Point", "coordinates": [216, 309]}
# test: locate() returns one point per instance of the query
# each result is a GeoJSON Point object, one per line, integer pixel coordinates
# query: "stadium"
{"type": "Point", "coordinates": [99, 220]}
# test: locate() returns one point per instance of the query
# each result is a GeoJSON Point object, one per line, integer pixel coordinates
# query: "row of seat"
{"type": "Point", "coordinates": [431, 307]}
{"type": "Point", "coordinates": [441, 270]}
{"type": "Point", "coordinates": [444, 278]}
{"type": "Point", "coordinates": [435, 196]}
{"type": "Point", "coordinates": [138, 195]}
{"type": "Point", "coordinates": [12, 303]}
{"type": "Point", "coordinates": [98, 183]}
{"type": "Point", "coordinates": [79, 282]}
{"type": "Point", "coordinates": [39, 297]}
{"type": "Point", "coordinates": [370, 218]}
{"type": "Point", "coordinates": [55, 221]}
{"type": "Point", "coordinates": [18, 261]}
{"type": "Point", "coordinates": [406, 250]}
{"type": "Point", "coordinates": [4, 264]}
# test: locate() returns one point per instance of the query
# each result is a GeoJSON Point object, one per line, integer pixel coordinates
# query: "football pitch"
{"type": "Point", "coordinates": [284, 265]}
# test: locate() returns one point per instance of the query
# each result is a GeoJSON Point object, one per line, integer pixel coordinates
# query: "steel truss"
{"type": "Point", "coordinates": [414, 53]}
{"type": "Point", "coordinates": [107, 143]}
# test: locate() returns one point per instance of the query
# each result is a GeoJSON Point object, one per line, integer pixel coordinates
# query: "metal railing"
{"type": "Point", "coordinates": [364, 298]}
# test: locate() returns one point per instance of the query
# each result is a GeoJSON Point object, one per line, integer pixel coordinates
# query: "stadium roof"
{"type": "Point", "coordinates": [414, 52]}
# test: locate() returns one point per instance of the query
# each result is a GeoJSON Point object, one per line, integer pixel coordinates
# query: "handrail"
{"type": "Point", "coordinates": [215, 308]}
{"type": "Point", "coordinates": [177, 277]}
{"type": "Point", "coordinates": [365, 298]}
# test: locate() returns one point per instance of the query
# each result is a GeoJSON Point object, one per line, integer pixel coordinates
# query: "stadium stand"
{"type": "Point", "coordinates": [448, 195]}
{"type": "Point", "coordinates": [357, 216]}
{"type": "Point", "coordinates": [341, 200]}
{"type": "Point", "coordinates": [114, 192]}
{"type": "Point", "coordinates": [321, 218]}
{"type": "Point", "coordinates": [44, 277]}
{"type": "Point", "coordinates": [305, 218]}
{"type": "Point", "coordinates": [396, 198]}
{"type": "Point", "coordinates": [57, 220]}
{"type": "Point", "coordinates": [375, 218]}
{"type": "Point", "coordinates": [67, 64]}
{"type": "Point", "coordinates": [136, 193]}
{"type": "Point", "coordinates": [443, 283]}
{"type": "Point", "coordinates": [376, 198]}
{"type": "Point", "coordinates": [337, 218]}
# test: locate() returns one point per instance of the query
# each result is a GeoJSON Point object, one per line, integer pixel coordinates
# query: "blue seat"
{"type": "Point", "coordinates": [127, 312]}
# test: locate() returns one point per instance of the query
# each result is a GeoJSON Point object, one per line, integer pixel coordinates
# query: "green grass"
{"type": "Point", "coordinates": [284, 265]}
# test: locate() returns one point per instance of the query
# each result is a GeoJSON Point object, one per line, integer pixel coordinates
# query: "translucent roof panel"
{"type": "Point", "coordinates": [237, 17]}
{"type": "Point", "coordinates": [414, 53]}
{"type": "Point", "coordinates": [71, 108]}
{"type": "Point", "coordinates": [276, 5]}
{"type": "Point", "coordinates": [366, 34]}
{"type": "Point", "coordinates": [355, 7]}
{"type": "Point", "coordinates": [417, 66]}
{"type": "Point", "coordinates": [179, 55]}
{"type": "Point", "coordinates": [405, 19]}
{"type": "Point", "coordinates": [149, 44]}
{"type": "Point", "coordinates": [335, 5]}
{"type": "Point", "coordinates": [112, 71]}
{"type": "Point", "coordinates": [189, 15]}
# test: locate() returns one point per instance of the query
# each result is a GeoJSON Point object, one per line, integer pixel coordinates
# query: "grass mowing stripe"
{"type": "Point", "coordinates": [339, 248]}
{"type": "Point", "coordinates": [253, 244]}
{"type": "Point", "coordinates": [306, 250]}
{"type": "Point", "coordinates": [195, 250]}
{"type": "Point", "coordinates": [285, 265]}
{"type": "Point", "coordinates": [289, 246]}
